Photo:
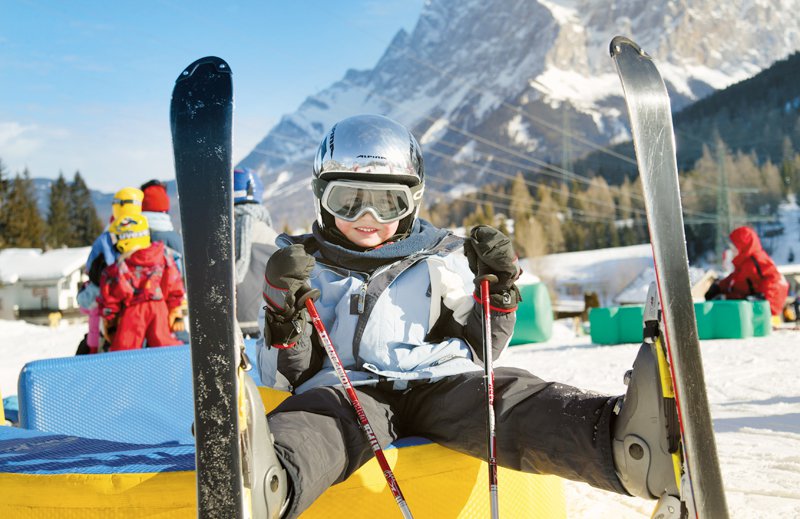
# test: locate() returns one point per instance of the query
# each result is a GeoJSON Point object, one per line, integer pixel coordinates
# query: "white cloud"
{"type": "Point", "coordinates": [18, 141]}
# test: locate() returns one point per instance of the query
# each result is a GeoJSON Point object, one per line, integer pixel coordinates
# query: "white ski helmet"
{"type": "Point", "coordinates": [376, 156]}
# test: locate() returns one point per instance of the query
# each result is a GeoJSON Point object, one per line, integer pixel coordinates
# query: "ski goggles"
{"type": "Point", "coordinates": [387, 203]}
{"type": "Point", "coordinates": [126, 201]}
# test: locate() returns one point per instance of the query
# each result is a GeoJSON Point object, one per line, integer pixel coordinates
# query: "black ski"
{"type": "Point", "coordinates": [201, 115]}
{"type": "Point", "coordinates": [651, 125]}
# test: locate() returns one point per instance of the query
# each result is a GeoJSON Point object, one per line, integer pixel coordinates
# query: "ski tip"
{"type": "Point", "coordinates": [219, 65]}
{"type": "Point", "coordinates": [619, 43]}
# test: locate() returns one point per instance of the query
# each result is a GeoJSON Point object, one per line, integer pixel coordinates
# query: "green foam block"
{"type": "Point", "coordinates": [534, 315]}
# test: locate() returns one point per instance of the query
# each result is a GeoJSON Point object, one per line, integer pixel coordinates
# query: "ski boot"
{"type": "Point", "coordinates": [646, 432]}
{"type": "Point", "coordinates": [263, 473]}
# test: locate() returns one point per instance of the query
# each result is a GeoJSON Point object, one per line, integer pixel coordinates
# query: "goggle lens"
{"type": "Point", "coordinates": [349, 202]}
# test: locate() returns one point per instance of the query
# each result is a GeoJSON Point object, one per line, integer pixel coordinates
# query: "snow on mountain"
{"type": "Point", "coordinates": [500, 77]}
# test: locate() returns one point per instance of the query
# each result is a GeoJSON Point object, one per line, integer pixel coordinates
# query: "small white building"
{"type": "Point", "coordinates": [606, 272]}
{"type": "Point", "coordinates": [34, 283]}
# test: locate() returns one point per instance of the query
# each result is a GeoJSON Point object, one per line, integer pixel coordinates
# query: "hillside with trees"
{"type": "Point", "coordinates": [737, 155]}
{"type": "Point", "coordinates": [71, 219]}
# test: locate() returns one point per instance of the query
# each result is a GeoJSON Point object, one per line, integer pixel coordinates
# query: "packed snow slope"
{"type": "Point", "coordinates": [753, 385]}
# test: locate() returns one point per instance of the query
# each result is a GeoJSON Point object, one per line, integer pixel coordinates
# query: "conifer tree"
{"type": "Point", "coordinates": [529, 238]}
{"type": "Point", "coordinates": [483, 215]}
{"type": "Point", "coordinates": [602, 214]}
{"type": "Point", "coordinates": [547, 214]}
{"type": "Point", "coordinates": [789, 173]}
{"type": "Point", "coordinates": [502, 224]}
{"type": "Point", "coordinates": [59, 227]}
{"type": "Point", "coordinates": [24, 226]}
{"type": "Point", "coordinates": [86, 226]}
{"type": "Point", "coordinates": [3, 197]}
{"type": "Point", "coordinates": [794, 186]}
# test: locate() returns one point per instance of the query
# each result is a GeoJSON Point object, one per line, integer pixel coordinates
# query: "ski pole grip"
{"type": "Point", "coordinates": [308, 293]}
{"type": "Point", "coordinates": [489, 278]}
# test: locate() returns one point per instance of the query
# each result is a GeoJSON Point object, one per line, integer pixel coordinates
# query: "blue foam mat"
{"type": "Point", "coordinates": [24, 451]}
{"type": "Point", "coordinates": [137, 396]}
{"type": "Point", "coordinates": [11, 408]}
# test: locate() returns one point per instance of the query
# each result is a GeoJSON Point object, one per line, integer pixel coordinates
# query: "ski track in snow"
{"type": "Point", "coordinates": [753, 389]}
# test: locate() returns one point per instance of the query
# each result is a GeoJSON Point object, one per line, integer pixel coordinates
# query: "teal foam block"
{"type": "Point", "coordinates": [534, 315]}
{"type": "Point", "coordinates": [616, 324]}
{"type": "Point", "coordinates": [715, 320]}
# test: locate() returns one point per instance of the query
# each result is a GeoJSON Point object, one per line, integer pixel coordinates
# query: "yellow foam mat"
{"type": "Point", "coordinates": [440, 483]}
{"type": "Point", "coordinates": [437, 483]}
{"type": "Point", "coordinates": [98, 496]}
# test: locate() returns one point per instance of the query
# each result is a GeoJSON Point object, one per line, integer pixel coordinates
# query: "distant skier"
{"type": "Point", "coordinates": [254, 243]}
{"type": "Point", "coordinates": [126, 202]}
{"type": "Point", "coordinates": [142, 292]}
{"type": "Point", "coordinates": [754, 276]}
{"type": "Point", "coordinates": [155, 206]}
{"type": "Point", "coordinates": [397, 297]}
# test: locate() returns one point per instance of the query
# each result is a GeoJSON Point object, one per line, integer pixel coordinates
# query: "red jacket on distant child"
{"type": "Point", "coordinates": [754, 273]}
{"type": "Point", "coordinates": [141, 290]}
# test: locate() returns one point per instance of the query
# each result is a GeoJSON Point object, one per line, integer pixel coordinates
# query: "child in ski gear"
{"type": "Point", "coordinates": [754, 276]}
{"type": "Point", "coordinates": [254, 242]}
{"type": "Point", "coordinates": [399, 301]}
{"type": "Point", "coordinates": [126, 202]}
{"type": "Point", "coordinates": [155, 207]}
{"type": "Point", "coordinates": [141, 290]}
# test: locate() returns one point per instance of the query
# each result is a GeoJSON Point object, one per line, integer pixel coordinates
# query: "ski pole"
{"type": "Point", "coordinates": [394, 487]}
{"type": "Point", "coordinates": [489, 376]}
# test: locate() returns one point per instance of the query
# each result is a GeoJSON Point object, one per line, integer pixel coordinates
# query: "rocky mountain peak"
{"type": "Point", "coordinates": [481, 79]}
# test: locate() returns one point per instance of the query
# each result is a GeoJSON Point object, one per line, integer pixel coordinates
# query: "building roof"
{"type": "Point", "coordinates": [35, 265]}
{"type": "Point", "coordinates": [636, 292]}
{"type": "Point", "coordinates": [591, 266]}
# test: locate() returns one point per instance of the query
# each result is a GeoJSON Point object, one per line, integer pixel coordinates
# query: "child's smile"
{"type": "Point", "coordinates": [366, 231]}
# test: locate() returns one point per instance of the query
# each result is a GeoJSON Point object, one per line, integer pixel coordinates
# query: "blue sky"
{"type": "Point", "coordinates": [85, 85]}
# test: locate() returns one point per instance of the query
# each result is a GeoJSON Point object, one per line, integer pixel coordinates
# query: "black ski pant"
{"type": "Point", "coordinates": [542, 427]}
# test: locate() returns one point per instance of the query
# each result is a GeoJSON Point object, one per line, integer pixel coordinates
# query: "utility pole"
{"type": "Point", "coordinates": [723, 202]}
{"type": "Point", "coordinates": [725, 220]}
{"type": "Point", "coordinates": [566, 142]}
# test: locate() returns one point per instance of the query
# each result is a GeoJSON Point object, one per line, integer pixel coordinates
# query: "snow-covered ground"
{"type": "Point", "coordinates": [787, 246]}
{"type": "Point", "coordinates": [754, 392]}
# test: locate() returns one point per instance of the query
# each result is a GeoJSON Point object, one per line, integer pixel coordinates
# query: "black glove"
{"type": "Point", "coordinates": [285, 282]}
{"type": "Point", "coordinates": [490, 252]}
{"type": "Point", "coordinates": [713, 291]}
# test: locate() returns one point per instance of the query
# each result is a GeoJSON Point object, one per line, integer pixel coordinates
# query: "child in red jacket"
{"type": "Point", "coordinates": [754, 274]}
{"type": "Point", "coordinates": [141, 294]}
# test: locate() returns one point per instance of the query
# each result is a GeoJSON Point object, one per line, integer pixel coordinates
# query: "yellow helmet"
{"type": "Point", "coordinates": [127, 202]}
{"type": "Point", "coordinates": [130, 233]}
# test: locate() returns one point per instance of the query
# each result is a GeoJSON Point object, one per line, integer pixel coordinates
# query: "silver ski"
{"type": "Point", "coordinates": [651, 125]}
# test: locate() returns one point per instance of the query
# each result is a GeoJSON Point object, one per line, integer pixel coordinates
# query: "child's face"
{"type": "Point", "coordinates": [366, 231]}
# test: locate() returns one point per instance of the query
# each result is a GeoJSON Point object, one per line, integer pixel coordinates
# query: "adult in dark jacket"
{"type": "Point", "coordinates": [754, 274]}
{"type": "Point", "coordinates": [254, 244]}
